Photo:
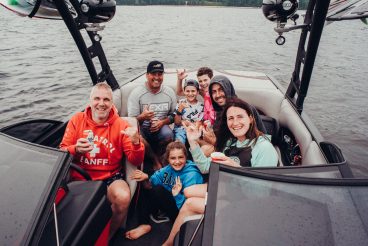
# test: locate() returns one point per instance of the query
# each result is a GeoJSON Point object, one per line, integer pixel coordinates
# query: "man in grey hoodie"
{"type": "Point", "coordinates": [220, 89]}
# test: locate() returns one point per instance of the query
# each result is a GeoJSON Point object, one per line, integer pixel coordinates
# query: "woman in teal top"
{"type": "Point", "coordinates": [238, 138]}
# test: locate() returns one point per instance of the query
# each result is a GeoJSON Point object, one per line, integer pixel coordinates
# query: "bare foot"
{"type": "Point", "coordinates": [138, 232]}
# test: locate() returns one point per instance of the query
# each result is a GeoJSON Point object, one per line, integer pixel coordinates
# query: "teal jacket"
{"type": "Point", "coordinates": [263, 154]}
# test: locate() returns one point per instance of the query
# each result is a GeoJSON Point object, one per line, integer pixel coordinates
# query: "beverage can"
{"type": "Point", "coordinates": [88, 134]}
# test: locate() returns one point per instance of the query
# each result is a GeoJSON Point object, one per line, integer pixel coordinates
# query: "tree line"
{"type": "Point", "coordinates": [236, 3]}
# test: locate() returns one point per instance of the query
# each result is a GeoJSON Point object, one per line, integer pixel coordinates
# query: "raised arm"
{"type": "Point", "coordinates": [193, 135]}
{"type": "Point", "coordinates": [133, 148]}
{"type": "Point", "coordinates": [181, 74]}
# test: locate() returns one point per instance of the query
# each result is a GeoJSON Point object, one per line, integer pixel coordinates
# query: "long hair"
{"type": "Point", "coordinates": [223, 133]}
{"type": "Point", "coordinates": [175, 145]}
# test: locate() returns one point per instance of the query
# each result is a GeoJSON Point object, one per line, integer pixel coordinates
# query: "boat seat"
{"type": "Point", "coordinates": [272, 128]}
{"type": "Point", "coordinates": [310, 151]}
{"type": "Point", "coordinates": [275, 106]}
{"type": "Point", "coordinates": [271, 102]}
{"type": "Point", "coordinates": [120, 98]}
{"type": "Point", "coordinates": [129, 167]}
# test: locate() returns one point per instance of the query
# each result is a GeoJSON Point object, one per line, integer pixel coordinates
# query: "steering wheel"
{"type": "Point", "coordinates": [81, 171]}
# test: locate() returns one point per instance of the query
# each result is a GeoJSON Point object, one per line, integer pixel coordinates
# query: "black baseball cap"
{"type": "Point", "coordinates": [191, 82]}
{"type": "Point", "coordinates": [155, 66]}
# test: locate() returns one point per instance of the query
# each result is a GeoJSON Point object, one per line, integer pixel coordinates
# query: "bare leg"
{"type": "Point", "coordinates": [138, 232]}
{"type": "Point", "coordinates": [198, 190]}
{"type": "Point", "coordinates": [192, 206]}
{"type": "Point", "coordinates": [118, 194]}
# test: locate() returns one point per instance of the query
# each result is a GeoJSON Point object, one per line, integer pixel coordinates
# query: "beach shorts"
{"type": "Point", "coordinates": [116, 176]}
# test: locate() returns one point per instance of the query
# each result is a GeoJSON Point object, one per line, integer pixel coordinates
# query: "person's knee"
{"type": "Point", "coordinates": [166, 134]}
{"type": "Point", "coordinates": [119, 196]}
{"type": "Point", "coordinates": [188, 205]}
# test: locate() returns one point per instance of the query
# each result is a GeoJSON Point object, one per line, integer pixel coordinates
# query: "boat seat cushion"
{"type": "Point", "coordinates": [270, 102]}
{"type": "Point", "coordinates": [290, 119]}
{"type": "Point", "coordinates": [129, 167]}
{"type": "Point", "coordinates": [267, 102]}
{"type": "Point", "coordinates": [272, 128]}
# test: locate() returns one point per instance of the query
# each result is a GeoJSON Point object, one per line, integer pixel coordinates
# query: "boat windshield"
{"type": "Point", "coordinates": [27, 178]}
{"type": "Point", "coordinates": [253, 211]}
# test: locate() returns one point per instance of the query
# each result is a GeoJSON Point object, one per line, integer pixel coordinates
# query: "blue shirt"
{"type": "Point", "coordinates": [189, 175]}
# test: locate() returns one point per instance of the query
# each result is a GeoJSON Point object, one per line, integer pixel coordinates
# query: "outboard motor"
{"type": "Point", "coordinates": [280, 11]}
{"type": "Point", "coordinates": [91, 11]}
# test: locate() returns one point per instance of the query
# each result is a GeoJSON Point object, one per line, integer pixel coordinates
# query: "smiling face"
{"type": "Point", "coordinates": [101, 104]}
{"type": "Point", "coordinates": [154, 80]}
{"type": "Point", "coordinates": [191, 93]}
{"type": "Point", "coordinates": [177, 159]}
{"type": "Point", "coordinates": [218, 94]}
{"type": "Point", "coordinates": [238, 122]}
{"type": "Point", "coordinates": [204, 82]}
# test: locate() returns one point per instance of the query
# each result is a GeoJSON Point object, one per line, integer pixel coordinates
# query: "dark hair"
{"type": "Point", "coordinates": [205, 70]}
{"type": "Point", "coordinates": [223, 133]}
{"type": "Point", "coordinates": [175, 145]}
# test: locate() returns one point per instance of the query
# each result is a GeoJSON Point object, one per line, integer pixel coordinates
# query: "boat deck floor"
{"type": "Point", "coordinates": [155, 237]}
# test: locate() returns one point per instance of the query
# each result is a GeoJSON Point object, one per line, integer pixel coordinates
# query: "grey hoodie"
{"type": "Point", "coordinates": [229, 90]}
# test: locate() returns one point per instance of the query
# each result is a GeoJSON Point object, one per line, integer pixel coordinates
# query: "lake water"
{"type": "Point", "coordinates": [42, 74]}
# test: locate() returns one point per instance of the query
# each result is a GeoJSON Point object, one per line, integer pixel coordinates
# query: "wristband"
{"type": "Point", "coordinates": [178, 113]}
{"type": "Point", "coordinates": [171, 118]}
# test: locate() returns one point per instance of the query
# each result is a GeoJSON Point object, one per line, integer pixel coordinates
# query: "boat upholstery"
{"type": "Point", "coordinates": [81, 215]}
{"type": "Point", "coordinates": [129, 167]}
{"type": "Point", "coordinates": [116, 95]}
{"type": "Point", "coordinates": [258, 90]}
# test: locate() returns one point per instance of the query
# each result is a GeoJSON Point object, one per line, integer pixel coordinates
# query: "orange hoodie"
{"type": "Point", "coordinates": [109, 145]}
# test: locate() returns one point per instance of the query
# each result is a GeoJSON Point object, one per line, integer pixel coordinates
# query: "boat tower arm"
{"type": "Point", "coordinates": [77, 15]}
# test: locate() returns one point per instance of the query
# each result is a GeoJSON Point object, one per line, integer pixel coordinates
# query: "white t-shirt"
{"type": "Point", "coordinates": [192, 113]}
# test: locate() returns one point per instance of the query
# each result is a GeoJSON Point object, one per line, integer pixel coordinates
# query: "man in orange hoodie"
{"type": "Point", "coordinates": [98, 138]}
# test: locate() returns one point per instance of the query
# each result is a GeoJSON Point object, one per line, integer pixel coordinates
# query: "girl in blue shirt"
{"type": "Point", "coordinates": [176, 178]}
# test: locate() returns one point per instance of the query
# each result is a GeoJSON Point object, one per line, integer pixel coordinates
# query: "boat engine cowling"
{"type": "Point", "coordinates": [279, 10]}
